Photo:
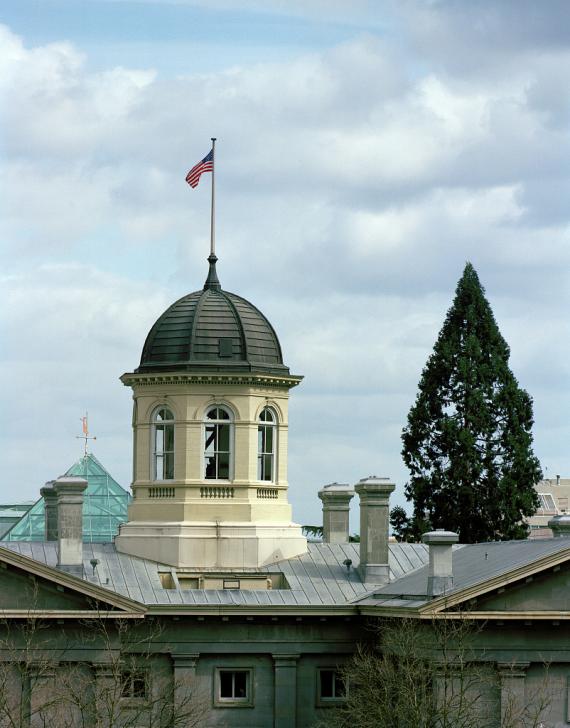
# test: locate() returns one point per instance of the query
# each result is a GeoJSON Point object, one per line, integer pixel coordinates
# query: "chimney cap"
{"type": "Point", "coordinates": [336, 488]}
{"type": "Point", "coordinates": [440, 537]}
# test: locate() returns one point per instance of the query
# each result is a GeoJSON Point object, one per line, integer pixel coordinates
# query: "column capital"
{"type": "Point", "coordinates": [513, 669]}
{"type": "Point", "coordinates": [285, 660]}
{"type": "Point", "coordinates": [185, 659]}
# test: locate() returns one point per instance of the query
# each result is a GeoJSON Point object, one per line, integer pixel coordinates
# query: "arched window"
{"type": "Point", "coordinates": [217, 444]}
{"type": "Point", "coordinates": [163, 444]}
{"type": "Point", "coordinates": [266, 432]}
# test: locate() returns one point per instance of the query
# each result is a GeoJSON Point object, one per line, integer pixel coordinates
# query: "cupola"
{"type": "Point", "coordinates": [210, 422]}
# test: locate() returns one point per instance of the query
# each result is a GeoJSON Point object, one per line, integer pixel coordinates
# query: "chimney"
{"type": "Point", "coordinates": [69, 491]}
{"type": "Point", "coordinates": [50, 510]}
{"type": "Point", "coordinates": [336, 499]}
{"type": "Point", "coordinates": [440, 571]}
{"type": "Point", "coordinates": [374, 494]}
{"type": "Point", "coordinates": [560, 526]}
{"type": "Point", "coordinates": [557, 480]}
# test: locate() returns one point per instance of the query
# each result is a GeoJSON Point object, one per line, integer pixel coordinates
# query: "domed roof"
{"type": "Point", "coordinates": [215, 330]}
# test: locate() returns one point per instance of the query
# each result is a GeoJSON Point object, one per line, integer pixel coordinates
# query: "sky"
{"type": "Point", "coordinates": [365, 152]}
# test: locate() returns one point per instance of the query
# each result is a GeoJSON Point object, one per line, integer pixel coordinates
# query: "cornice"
{"type": "Point", "coordinates": [253, 610]}
{"type": "Point", "coordinates": [150, 379]}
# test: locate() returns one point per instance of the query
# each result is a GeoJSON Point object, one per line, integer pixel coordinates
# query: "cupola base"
{"type": "Point", "coordinates": [223, 545]}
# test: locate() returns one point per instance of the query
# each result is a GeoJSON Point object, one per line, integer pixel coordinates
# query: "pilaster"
{"type": "Point", "coordinates": [285, 709]}
{"type": "Point", "coordinates": [512, 676]}
{"type": "Point", "coordinates": [184, 681]}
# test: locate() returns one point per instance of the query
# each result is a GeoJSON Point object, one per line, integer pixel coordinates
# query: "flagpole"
{"type": "Point", "coordinates": [213, 210]}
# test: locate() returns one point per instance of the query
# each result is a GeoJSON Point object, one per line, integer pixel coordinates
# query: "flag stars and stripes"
{"type": "Point", "coordinates": [206, 165]}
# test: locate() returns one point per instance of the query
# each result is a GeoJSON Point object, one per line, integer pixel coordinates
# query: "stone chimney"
{"type": "Point", "coordinates": [560, 526]}
{"type": "Point", "coordinates": [69, 491]}
{"type": "Point", "coordinates": [440, 570]}
{"type": "Point", "coordinates": [336, 499]}
{"type": "Point", "coordinates": [374, 494]}
{"type": "Point", "coordinates": [50, 510]}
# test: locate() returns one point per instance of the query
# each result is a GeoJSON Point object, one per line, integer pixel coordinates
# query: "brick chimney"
{"type": "Point", "coordinates": [374, 494]}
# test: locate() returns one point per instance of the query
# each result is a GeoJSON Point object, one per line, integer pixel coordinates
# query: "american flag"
{"type": "Point", "coordinates": [206, 165]}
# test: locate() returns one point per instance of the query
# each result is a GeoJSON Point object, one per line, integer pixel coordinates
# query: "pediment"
{"type": "Point", "coordinates": [543, 592]}
{"type": "Point", "coordinates": [29, 587]}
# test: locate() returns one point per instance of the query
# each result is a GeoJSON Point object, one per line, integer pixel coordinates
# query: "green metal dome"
{"type": "Point", "coordinates": [214, 330]}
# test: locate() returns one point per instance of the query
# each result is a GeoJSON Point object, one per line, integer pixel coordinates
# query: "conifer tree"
{"type": "Point", "coordinates": [468, 441]}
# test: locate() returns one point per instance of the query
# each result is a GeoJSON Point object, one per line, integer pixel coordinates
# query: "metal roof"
{"type": "Point", "coordinates": [473, 564]}
{"type": "Point", "coordinates": [215, 330]}
{"type": "Point", "coordinates": [317, 578]}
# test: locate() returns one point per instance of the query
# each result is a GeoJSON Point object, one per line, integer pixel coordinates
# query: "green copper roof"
{"type": "Point", "coordinates": [215, 330]}
{"type": "Point", "coordinates": [104, 507]}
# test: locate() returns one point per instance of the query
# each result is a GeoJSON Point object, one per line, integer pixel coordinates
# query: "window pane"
{"type": "Point", "coordinates": [259, 467]}
{"type": "Point", "coordinates": [240, 684]}
{"type": "Point", "coordinates": [339, 689]}
{"type": "Point", "coordinates": [224, 465]}
{"type": "Point", "coordinates": [212, 414]}
{"type": "Point", "coordinates": [327, 683]}
{"type": "Point", "coordinates": [267, 467]}
{"type": "Point", "coordinates": [210, 438]}
{"type": "Point", "coordinates": [159, 467]}
{"type": "Point", "coordinates": [159, 438]}
{"type": "Point", "coordinates": [224, 438]}
{"type": "Point", "coordinates": [260, 439]}
{"type": "Point", "coordinates": [210, 467]}
{"type": "Point", "coordinates": [223, 415]}
{"type": "Point", "coordinates": [269, 439]}
{"type": "Point", "coordinates": [169, 466]}
{"type": "Point", "coordinates": [226, 684]}
{"type": "Point", "coordinates": [163, 414]}
{"type": "Point", "coordinates": [139, 686]}
{"type": "Point", "coordinates": [169, 437]}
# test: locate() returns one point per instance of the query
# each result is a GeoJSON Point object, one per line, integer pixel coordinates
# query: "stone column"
{"type": "Point", "coordinates": [184, 681]}
{"type": "Point", "coordinates": [336, 499]}
{"type": "Point", "coordinates": [512, 676]}
{"type": "Point", "coordinates": [374, 494]}
{"type": "Point", "coordinates": [285, 691]}
{"type": "Point", "coordinates": [69, 492]}
{"type": "Point", "coordinates": [50, 510]}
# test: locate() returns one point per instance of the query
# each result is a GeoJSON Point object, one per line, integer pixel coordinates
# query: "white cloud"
{"type": "Point", "coordinates": [353, 183]}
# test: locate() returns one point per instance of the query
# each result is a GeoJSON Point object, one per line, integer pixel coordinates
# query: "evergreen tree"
{"type": "Point", "coordinates": [468, 441]}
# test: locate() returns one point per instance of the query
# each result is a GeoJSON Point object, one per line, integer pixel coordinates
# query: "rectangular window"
{"type": "Point", "coordinates": [233, 688]}
{"type": "Point", "coordinates": [331, 688]}
{"type": "Point", "coordinates": [134, 684]}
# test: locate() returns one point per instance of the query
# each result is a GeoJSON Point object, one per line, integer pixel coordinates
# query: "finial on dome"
{"type": "Point", "coordinates": [212, 281]}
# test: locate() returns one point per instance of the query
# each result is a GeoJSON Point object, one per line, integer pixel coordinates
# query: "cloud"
{"type": "Point", "coordinates": [353, 184]}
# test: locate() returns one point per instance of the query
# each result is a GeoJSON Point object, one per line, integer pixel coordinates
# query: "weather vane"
{"type": "Point", "coordinates": [85, 436]}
